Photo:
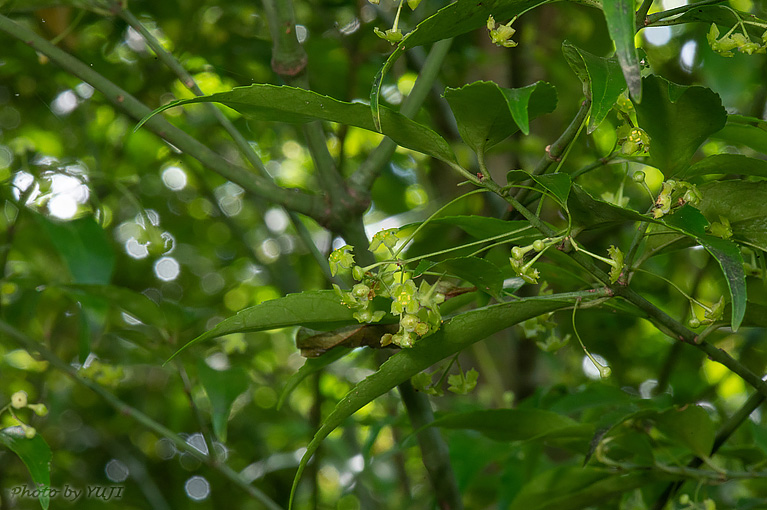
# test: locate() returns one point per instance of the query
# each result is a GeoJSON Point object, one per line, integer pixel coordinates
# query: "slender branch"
{"type": "Point", "coordinates": [653, 18]}
{"type": "Point", "coordinates": [555, 151]}
{"type": "Point", "coordinates": [190, 83]}
{"type": "Point", "coordinates": [204, 429]}
{"type": "Point", "coordinates": [594, 165]}
{"type": "Point", "coordinates": [289, 62]}
{"type": "Point", "coordinates": [642, 13]}
{"type": "Point", "coordinates": [33, 346]}
{"type": "Point", "coordinates": [362, 180]}
{"type": "Point", "coordinates": [433, 448]}
{"type": "Point", "coordinates": [253, 184]}
{"type": "Point", "coordinates": [245, 147]}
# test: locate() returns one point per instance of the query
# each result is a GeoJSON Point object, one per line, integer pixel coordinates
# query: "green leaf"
{"type": "Point", "coordinates": [690, 426]}
{"type": "Point", "coordinates": [747, 131]}
{"type": "Point", "coordinates": [558, 184]}
{"type": "Point", "coordinates": [454, 336]}
{"type": "Point", "coordinates": [35, 454]}
{"type": "Point", "coordinates": [678, 120]}
{"type": "Point", "coordinates": [602, 79]}
{"type": "Point", "coordinates": [691, 222]}
{"type": "Point", "coordinates": [590, 212]}
{"type": "Point", "coordinates": [222, 388]}
{"type": "Point", "coordinates": [487, 113]}
{"type": "Point", "coordinates": [83, 246]}
{"type": "Point", "coordinates": [687, 219]}
{"type": "Point", "coordinates": [516, 424]}
{"type": "Point", "coordinates": [743, 203]}
{"type": "Point", "coordinates": [730, 260]}
{"type": "Point", "coordinates": [575, 487]}
{"type": "Point", "coordinates": [291, 104]}
{"type": "Point", "coordinates": [321, 309]}
{"type": "Point", "coordinates": [726, 164]}
{"type": "Point", "coordinates": [619, 15]}
{"type": "Point", "coordinates": [483, 274]}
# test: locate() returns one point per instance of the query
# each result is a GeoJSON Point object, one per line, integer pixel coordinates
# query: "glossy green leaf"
{"type": "Point", "coordinates": [678, 120]}
{"type": "Point", "coordinates": [590, 212]}
{"type": "Point", "coordinates": [602, 79]}
{"type": "Point", "coordinates": [516, 424]}
{"type": "Point", "coordinates": [575, 487]}
{"type": "Point", "coordinates": [321, 309]}
{"type": "Point", "coordinates": [454, 336]}
{"type": "Point", "coordinates": [691, 222]}
{"type": "Point", "coordinates": [743, 204]}
{"type": "Point", "coordinates": [726, 164]}
{"type": "Point", "coordinates": [483, 274]}
{"type": "Point", "coordinates": [687, 219]}
{"type": "Point", "coordinates": [487, 113]}
{"type": "Point", "coordinates": [291, 104]}
{"type": "Point", "coordinates": [690, 426]}
{"type": "Point", "coordinates": [83, 247]}
{"type": "Point", "coordinates": [619, 15]}
{"type": "Point", "coordinates": [35, 454]}
{"type": "Point", "coordinates": [728, 255]}
{"type": "Point", "coordinates": [558, 184]}
{"type": "Point", "coordinates": [753, 135]}
{"type": "Point", "coordinates": [222, 388]}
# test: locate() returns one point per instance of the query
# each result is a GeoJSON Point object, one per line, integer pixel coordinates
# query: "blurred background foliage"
{"type": "Point", "coordinates": [117, 250]}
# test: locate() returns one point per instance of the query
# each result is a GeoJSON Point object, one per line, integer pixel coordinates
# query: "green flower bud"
{"type": "Point", "coordinates": [539, 245]}
{"type": "Point", "coordinates": [639, 176]}
{"type": "Point", "coordinates": [19, 400]}
{"type": "Point", "coordinates": [693, 322]}
{"type": "Point", "coordinates": [358, 273]}
{"type": "Point", "coordinates": [361, 291]}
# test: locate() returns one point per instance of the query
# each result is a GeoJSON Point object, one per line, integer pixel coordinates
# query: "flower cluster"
{"type": "Point", "coordinates": [19, 401]}
{"type": "Point", "coordinates": [526, 270]}
{"type": "Point", "coordinates": [417, 307]}
{"type": "Point", "coordinates": [685, 192]}
{"type": "Point", "coordinates": [501, 34]}
{"type": "Point", "coordinates": [418, 311]}
{"type": "Point", "coordinates": [633, 140]}
{"type": "Point", "coordinates": [710, 314]}
{"type": "Point", "coordinates": [730, 41]}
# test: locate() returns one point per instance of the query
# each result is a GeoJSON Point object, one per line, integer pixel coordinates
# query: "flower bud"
{"type": "Point", "coordinates": [19, 399]}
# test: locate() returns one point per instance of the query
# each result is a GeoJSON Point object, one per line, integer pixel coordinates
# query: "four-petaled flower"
{"type": "Point", "coordinates": [341, 258]}
{"type": "Point", "coordinates": [501, 34]}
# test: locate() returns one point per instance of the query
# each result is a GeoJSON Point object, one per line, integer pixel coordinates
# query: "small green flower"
{"type": "Point", "coordinates": [463, 383]}
{"type": "Point", "coordinates": [393, 35]}
{"type": "Point", "coordinates": [616, 256]}
{"type": "Point", "coordinates": [404, 298]}
{"type": "Point", "coordinates": [341, 258]}
{"type": "Point", "coordinates": [500, 34]}
{"type": "Point", "coordinates": [386, 237]}
{"type": "Point", "coordinates": [721, 228]}
{"type": "Point", "coordinates": [716, 312]}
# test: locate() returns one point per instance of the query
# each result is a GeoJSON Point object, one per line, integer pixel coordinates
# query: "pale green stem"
{"type": "Point", "coordinates": [362, 179]}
